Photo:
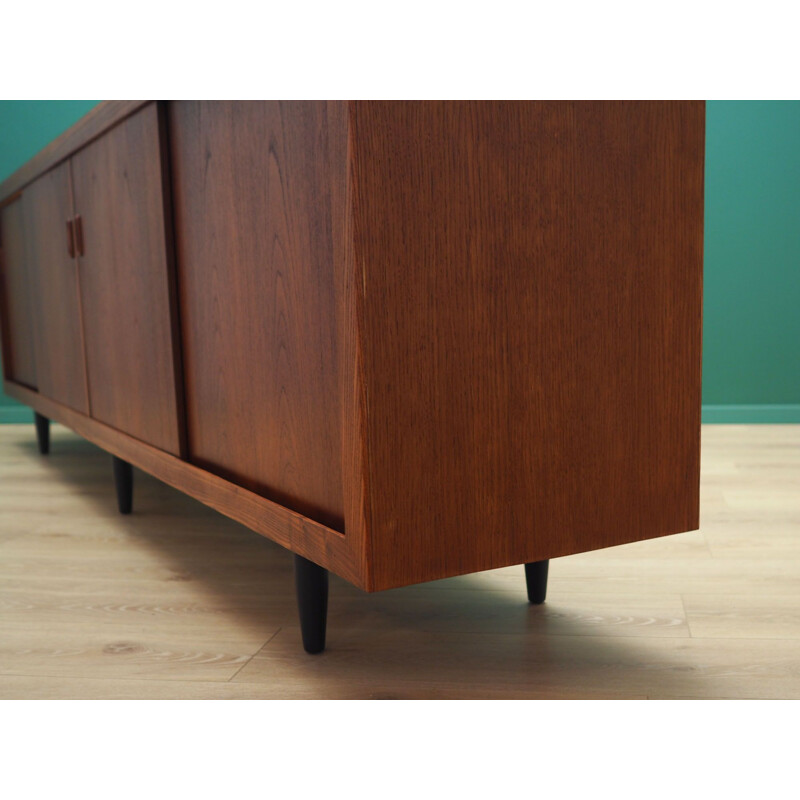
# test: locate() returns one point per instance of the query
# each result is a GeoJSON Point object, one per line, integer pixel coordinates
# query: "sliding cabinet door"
{"type": "Point", "coordinates": [126, 281]}
{"type": "Point", "coordinates": [258, 302]}
{"type": "Point", "coordinates": [60, 366]}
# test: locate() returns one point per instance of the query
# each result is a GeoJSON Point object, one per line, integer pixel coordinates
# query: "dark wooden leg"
{"type": "Point", "coordinates": [536, 578]}
{"type": "Point", "coordinates": [42, 432]}
{"type": "Point", "coordinates": [123, 478]}
{"type": "Point", "coordinates": [311, 582]}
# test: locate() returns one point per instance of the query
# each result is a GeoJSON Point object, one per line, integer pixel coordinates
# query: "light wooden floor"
{"type": "Point", "coordinates": [176, 601]}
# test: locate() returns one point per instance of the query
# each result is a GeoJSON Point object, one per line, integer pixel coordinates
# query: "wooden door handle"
{"type": "Point", "coordinates": [78, 235]}
{"type": "Point", "coordinates": [70, 239]}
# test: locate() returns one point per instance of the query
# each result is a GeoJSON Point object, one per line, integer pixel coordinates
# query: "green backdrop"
{"type": "Point", "coordinates": [751, 325]}
{"type": "Point", "coordinates": [751, 347]}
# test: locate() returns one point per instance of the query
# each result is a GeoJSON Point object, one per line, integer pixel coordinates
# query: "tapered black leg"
{"type": "Point", "coordinates": [536, 578]}
{"type": "Point", "coordinates": [311, 582]}
{"type": "Point", "coordinates": [42, 432]}
{"type": "Point", "coordinates": [123, 479]}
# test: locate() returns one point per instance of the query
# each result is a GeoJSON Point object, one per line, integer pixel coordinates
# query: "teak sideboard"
{"type": "Point", "coordinates": [404, 340]}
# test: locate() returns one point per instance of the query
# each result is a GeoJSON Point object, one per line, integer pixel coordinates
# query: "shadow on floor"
{"type": "Point", "coordinates": [466, 635]}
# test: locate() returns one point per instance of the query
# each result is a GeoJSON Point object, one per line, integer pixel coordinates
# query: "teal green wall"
{"type": "Point", "coordinates": [751, 348]}
{"type": "Point", "coordinates": [751, 325]}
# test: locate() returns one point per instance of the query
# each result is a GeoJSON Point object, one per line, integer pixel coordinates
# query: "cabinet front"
{"type": "Point", "coordinates": [49, 250]}
{"type": "Point", "coordinates": [258, 305]}
{"type": "Point", "coordinates": [125, 281]}
{"type": "Point", "coordinates": [18, 293]}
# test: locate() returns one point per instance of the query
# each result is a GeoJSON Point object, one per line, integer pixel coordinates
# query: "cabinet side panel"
{"type": "Point", "coordinates": [124, 274]}
{"type": "Point", "coordinates": [60, 362]}
{"type": "Point", "coordinates": [260, 304]}
{"type": "Point", "coordinates": [531, 328]}
{"type": "Point", "coordinates": [18, 294]}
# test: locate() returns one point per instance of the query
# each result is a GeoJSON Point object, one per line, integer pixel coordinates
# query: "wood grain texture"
{"type": "Point", "coordinates": [351, 385]}
{"type": "Point", "coordinates": [292, 530]}
{"type": "Point", "coordinates": [464, 335]}
{"type": "Point", "coordinates": [176, 601]}
{"type": "Point", "coordinates": [61, 366]}
{"type": "Point", "coordinates": [531, 327]}
{"type": "Point", "coordinates": [260, 306]}
{"type": "Point", "coordinates": [125, 282]}
{"type": "Point", "coordinates": [100, 119]}
{"type": "Point", "coordinates": [18, 311]}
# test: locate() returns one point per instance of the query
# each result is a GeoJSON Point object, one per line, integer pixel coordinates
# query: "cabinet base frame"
{"type": "Point", "coordinates": [303, 536]}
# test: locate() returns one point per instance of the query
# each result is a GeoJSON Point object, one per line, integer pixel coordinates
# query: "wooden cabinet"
{"type": "Point", "coordinates": [412, 340]}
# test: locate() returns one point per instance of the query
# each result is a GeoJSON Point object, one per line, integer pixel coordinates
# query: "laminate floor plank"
{"type": "Point", "coordinates": [46, 687]}
{"type": "Point", "coordinates": [176, 601]}
{"type": "Point", "coordinates": [379, 660]}
{"type": "Point", "coordinates": [743, 616]}
{"type": "Point", "coordinates": [117, 650]}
